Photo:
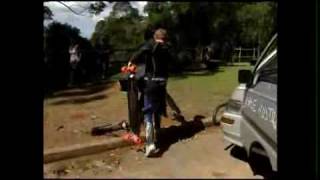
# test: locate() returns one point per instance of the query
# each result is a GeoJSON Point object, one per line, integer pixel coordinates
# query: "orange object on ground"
{"type": "Point", "coordinates": [131, 137]}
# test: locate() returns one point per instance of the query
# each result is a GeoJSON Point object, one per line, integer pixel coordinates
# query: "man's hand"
{"type": "Point", "coordinates": [129, 63]}
{"type": "Point", "coordinates": [159, 41]}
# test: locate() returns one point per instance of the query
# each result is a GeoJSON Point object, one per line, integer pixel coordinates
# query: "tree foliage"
{"type": "Point", "coordinates": [123, 29]}
{"type": "Point", "coordinates": [94, 8]}
{"type": "Point", "coordinates": [192, 26]}
{"type": "Point", "coordinates": [257, 22]}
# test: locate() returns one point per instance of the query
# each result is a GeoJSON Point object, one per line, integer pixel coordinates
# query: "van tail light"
{"type": "Point", "coordinates": [227, 120]}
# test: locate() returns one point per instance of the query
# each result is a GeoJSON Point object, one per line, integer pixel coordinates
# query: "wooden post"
{"type": "Point", "coordinates": [232, 57]}
{"type": "Point", "coordinates": [239, 54]}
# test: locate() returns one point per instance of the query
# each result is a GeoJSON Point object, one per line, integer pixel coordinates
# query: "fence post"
{"type": "Point", "coordinates": [239, 54]}
{"type": "Point", "coordinates": [232, 55]}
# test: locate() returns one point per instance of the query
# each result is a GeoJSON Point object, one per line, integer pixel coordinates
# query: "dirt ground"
{"type": "Point", "coordinates": [200, 156]}
{"type": "Point", "coordinates": [69, 115]}
{"type": "Point", "coordinates": [187, 151]}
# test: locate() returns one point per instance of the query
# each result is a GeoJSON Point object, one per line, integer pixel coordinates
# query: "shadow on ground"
{"type": "Point", "coordinates": [173, 134]}
{"type": "Point", "coordinates": [82, 90]}
{"type": "Point", "coordinates": [81, 94]}
{"type": "Point", "coordinates": [258, 164]}
{"type": "Point", "coordinates": [239, 153]}
{"type": "Point", "coordinates": [81, 100]}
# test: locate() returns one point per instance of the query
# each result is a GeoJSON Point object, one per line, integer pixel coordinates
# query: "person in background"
{"type": "Point", "coordinates": [75, 57]}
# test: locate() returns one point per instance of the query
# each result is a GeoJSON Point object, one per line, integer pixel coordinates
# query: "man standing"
{"type": "Point", "coordinates": [75, 57]}
{"type": "Point", "coordinates": [156, 55]}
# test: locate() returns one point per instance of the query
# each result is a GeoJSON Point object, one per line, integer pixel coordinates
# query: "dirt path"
{"type": "Point", "coordinates": [201, 156]}
{"type": "Point", "coordinates": [70, 115]}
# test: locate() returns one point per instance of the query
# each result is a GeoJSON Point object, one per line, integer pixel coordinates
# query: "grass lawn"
{"type": "Point", "coordinates": [199, 94]}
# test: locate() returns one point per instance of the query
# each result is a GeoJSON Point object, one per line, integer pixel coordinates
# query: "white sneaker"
{"type": "Point", "coordinates": [150, 149]}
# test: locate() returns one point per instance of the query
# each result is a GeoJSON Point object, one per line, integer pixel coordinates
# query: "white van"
{"type": "Point", "coordinates": [253, 126]}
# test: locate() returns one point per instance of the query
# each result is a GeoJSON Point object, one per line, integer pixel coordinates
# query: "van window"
{"type": "Point", "coordinates": [268, 50]}
{"type": "Point", "coordinates": [272, 47]}
{"type": "Point", "coordinates": [269, 72]}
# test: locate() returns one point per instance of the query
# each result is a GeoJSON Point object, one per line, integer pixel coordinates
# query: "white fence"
{"type": "Point", "coordinates": [245, 54]}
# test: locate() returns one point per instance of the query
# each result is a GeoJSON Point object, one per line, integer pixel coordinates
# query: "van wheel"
{"type": "Point", "coordinates": [261, 165]}
{"type": "Point", "coordinates": [217, 114]}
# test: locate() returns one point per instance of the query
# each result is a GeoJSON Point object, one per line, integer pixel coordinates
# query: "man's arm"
{"type": "Point", "coordinates": [137, 55]}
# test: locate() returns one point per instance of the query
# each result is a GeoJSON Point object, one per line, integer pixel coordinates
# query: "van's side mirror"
{"type": "Point", "coordinates": [244, 76]}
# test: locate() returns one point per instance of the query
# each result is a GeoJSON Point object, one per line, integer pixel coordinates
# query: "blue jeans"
{"type": "Point", "coordinates": [151, 123]}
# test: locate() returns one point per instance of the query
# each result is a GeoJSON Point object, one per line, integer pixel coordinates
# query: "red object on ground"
{"type": "Point", "coordinates": [131, 137]}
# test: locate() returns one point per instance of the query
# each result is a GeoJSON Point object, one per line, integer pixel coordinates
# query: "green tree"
{"type": "Point", "coordinates": [257, 22]}
{"type": "Point", "coordinates": [124, 8]}
{"type": "Point", "coordinates": [92, 8]}
{"type": "Point", "coordinates": [123, 29]}
{"type": "Point", "coordinates": [191, 26]}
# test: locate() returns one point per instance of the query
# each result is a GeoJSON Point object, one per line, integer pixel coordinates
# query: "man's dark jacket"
{"type": "Point", "coordinates": [154, 59]}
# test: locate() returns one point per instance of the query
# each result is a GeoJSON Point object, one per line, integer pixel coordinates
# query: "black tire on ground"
{"type": "Point", "coordinates": [217, 112]}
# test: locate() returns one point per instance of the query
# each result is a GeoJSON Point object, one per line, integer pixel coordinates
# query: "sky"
{"type": "Point", "coordinates": [85, 23]}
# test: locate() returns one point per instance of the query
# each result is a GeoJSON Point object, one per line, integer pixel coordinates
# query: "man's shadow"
{"type": "Point", "coordinates": [173, 134]}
